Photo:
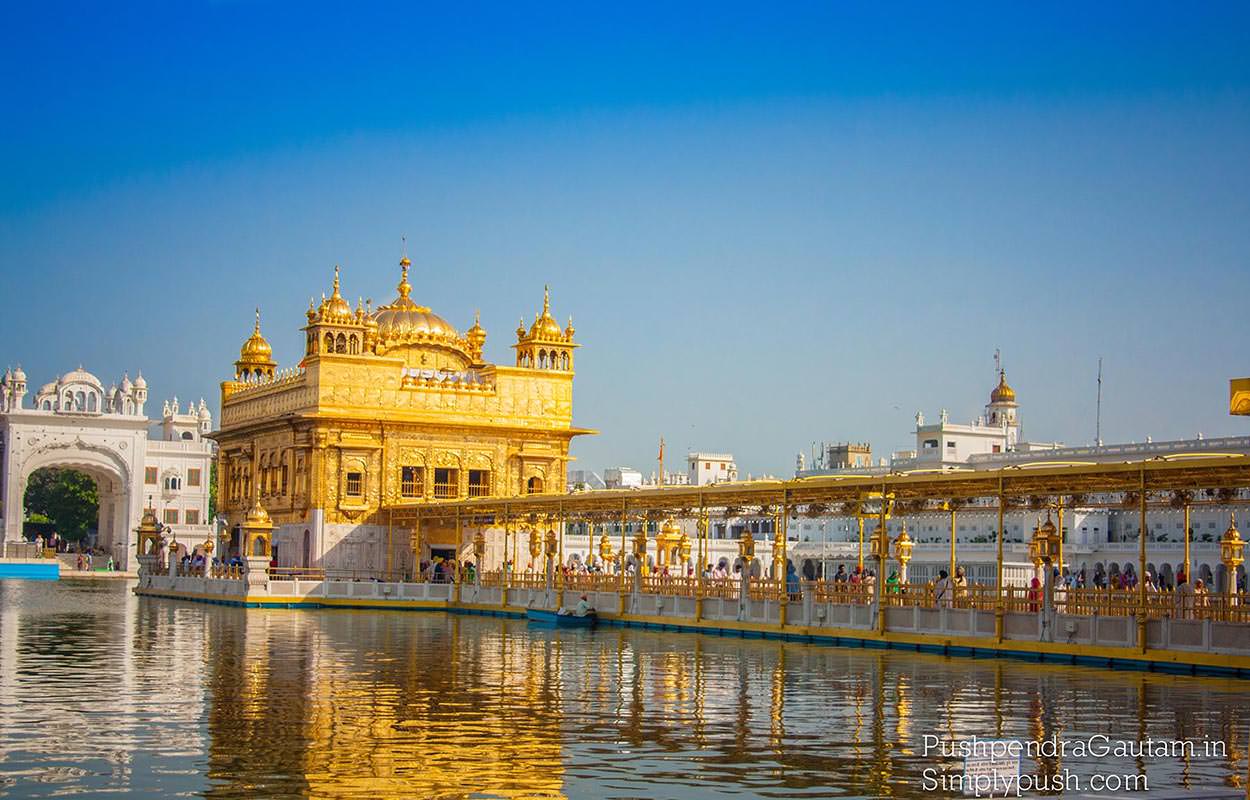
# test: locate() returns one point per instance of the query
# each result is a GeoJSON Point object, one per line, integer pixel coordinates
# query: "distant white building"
{"type": "Point", "coordinates": [581, 480]}
{"type": "Point", "coordinates": [705, 468]}
{"type": "Point", "coordinates": [622, 478]}
{"type": "Point", "coordinates": [75, 423]}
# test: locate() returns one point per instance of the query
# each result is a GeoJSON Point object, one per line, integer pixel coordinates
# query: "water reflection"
{"type": "Point", "coordinates": [100, 691]}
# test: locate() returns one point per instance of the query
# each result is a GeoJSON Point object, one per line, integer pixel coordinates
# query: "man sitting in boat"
{"type": "Point", "coordinates": [583, 608]}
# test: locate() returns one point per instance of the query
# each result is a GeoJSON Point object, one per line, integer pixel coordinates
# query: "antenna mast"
{"type": "Point", "coordinates": [1098, 417]}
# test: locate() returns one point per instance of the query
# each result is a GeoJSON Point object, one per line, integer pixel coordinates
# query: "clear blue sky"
{"type": "Point", "coordinates": [773, 223]}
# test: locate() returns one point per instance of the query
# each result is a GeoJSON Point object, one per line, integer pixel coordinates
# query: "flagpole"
{"type": "Point", "coordinates": [660, 480]}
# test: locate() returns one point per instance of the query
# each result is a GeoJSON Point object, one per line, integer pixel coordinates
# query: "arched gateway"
{"type": "Point", "coordinates": [76, 424]}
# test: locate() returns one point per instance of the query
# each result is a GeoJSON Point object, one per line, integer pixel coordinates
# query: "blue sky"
{"type": "Point", "coordinates": [773, 224]}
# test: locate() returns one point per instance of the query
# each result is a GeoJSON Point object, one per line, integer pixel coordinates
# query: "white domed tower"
{"type": "Point", "coordinates": [1002, 410]}
{"type": "Point", "coordinates": [18, 387]}
{"type": "Point", "coordinates": [140, 393]}
{"type": "Point", "coordinates": [206, 418]}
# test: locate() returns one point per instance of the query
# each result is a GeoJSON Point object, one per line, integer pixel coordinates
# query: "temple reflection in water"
{"type": "Point", "coordinates": [230, 702]}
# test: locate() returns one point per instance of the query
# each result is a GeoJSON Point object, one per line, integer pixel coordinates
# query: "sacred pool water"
{"type": "Point", "coordinates": [103, 692]}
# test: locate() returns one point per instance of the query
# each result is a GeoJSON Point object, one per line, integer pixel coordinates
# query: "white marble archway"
{"type": "Point", "coordinates": [120, 506]}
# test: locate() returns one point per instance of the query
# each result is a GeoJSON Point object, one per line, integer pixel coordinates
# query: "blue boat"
{"type": "Point", "coordinates": [542, 617]}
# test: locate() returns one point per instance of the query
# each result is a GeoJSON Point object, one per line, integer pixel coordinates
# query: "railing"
{"type": "Point", "coordinates": [592, 582]}
{"type": "Point", "coordinates": [1091, 601]}
{"type": "Point", "coordinates": [840, 592]}
{"type": "Point", "coordinates": [445, 491]}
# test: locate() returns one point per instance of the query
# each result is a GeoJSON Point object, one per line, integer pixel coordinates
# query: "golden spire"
{"type": "Point", "coordinates": [336, 281]}
{"type": "Point", "coordinates": [257, 328]}
{"type": "Point", "coordinates": [546, 300]}
{"type": "Point", "coordinates": [405, 288]}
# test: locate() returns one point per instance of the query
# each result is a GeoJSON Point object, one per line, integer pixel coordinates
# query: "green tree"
{"type": "Point", "coordinates": [66, 497]}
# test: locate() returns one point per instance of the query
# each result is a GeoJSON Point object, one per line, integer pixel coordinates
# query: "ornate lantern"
{"type": "Point", "coordinates": [1037, 545]}
{"type": "Point", "coordinates": [536, 548]}
{"type": "Point", "coordinates": [479, 546]}
{"type": "Point", "coordinates": [1231, 548]}
{"type": "Point", "coordinates": [605, 548]}
{"type": "Point", "coordinates": [640, 544]}
{"type": "Point", "coordinates": [902, 547]}
{"type": "Point", "coordinates": [879, 544]}
{"type": "Point", "coordinates": [746, 545]}
{"type": "Point", "coordinates": [553, 546]}
{"type": "Point", "coordinates": [1049, 540]}
{"type": "Point", "coordinates": [683, 547]}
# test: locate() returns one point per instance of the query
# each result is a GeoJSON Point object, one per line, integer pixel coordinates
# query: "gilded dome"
{"type": "Point", "coordinates": [1002, 392]}
{"type": "Point", "coordinates": [258, 517]}
{"type": "Point", "coordinates": [545, 326]}
{"type": "Point", "coordinates": [335, 306]}
{"type": "Point", "coordinates": [256, 349]}
{"type": "Point", "coordinates": [403, 322]}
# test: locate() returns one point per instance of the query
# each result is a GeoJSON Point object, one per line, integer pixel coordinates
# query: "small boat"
{"type": "Point", "coordinates": [543, 617]}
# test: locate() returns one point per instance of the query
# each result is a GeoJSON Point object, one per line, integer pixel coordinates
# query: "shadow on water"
{"type": "Point", "coordinates": [100, 691]}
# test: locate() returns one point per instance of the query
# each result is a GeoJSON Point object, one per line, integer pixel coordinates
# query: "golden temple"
{"type": "Point", "coordinates": [387, 406]}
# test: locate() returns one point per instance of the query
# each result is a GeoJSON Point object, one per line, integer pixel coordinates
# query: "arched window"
{"type": "Point", "coordinates": [340, 344]}
{"type": "Point", "coordinates": [91, 402]}
{"type": "Point", "coordinates": [542, 359]}
{"type": "Point", "coordinates": [534, 485]}
{"type": "Point", "coordinates": [354, 345]}
{"type": "Point", "coordinates": [67, 403]}
{"type": "Point", "coordinates": [564, 361]}
{"type": "Point", "coordinates": [47, 405]}
{"type": "Point", "coordinates": [187, 435]}
{"type": "Point", "coordinates": [329, 343]}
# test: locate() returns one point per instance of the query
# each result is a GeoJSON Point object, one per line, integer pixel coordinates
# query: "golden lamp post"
{"type": "Point", "coordinates": [746, 548]}
{"type": "Point", "coordinates": [479, 554]}
{"type": "Point", "coordinates": [640, 550]}
{"type": "Point", "coordinates": [605, 549]}
{"type": "Point", "coordinates": [536, 547]}
{"type": "Point", "coordinates": [683, 548]}
{"type": "Point", "coordinates": [1231, 548]}
{"type": "Point", "coordinates": [879, 550]}
{"type": "Point", "coordinates": [902, 553]}
{"type": "Point", "coordinates": [879, 546]}
{"type": "Point", "coordinates": [1044, 544]}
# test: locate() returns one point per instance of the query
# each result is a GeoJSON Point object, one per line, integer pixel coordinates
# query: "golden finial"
{"type": "Point", "coordinates": [257, 328]}
{"type": "Point", "coordinates": [546, 300]}
{"type": "Point", "coordinates": [403, 261]}
{"type": "Point", "coordinates": [405, 288]}
{"type": "Point", "coordinates": [336, 280]}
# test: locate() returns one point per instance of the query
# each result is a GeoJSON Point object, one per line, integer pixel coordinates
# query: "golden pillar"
{"type": "Point", "coordinates": [1187, 537]}
{"type": "Point", "coordinates": [700, 588]}
{"type": "Point", "coordinates": [780, 535]}
{"type": "Point", "coordinates": [1141, 567]}
{"type": "Point", "coordinates": [860, 519]}
{"type": "Point", "coordinates": [951, 573]}
{"type": "Point", "coordinates": [999, 590]}
{"type": "Point", "coordinates": [879, 549]}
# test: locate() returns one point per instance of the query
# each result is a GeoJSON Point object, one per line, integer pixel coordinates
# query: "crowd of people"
{"type": "Point", "coordinates": [89, 557]}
